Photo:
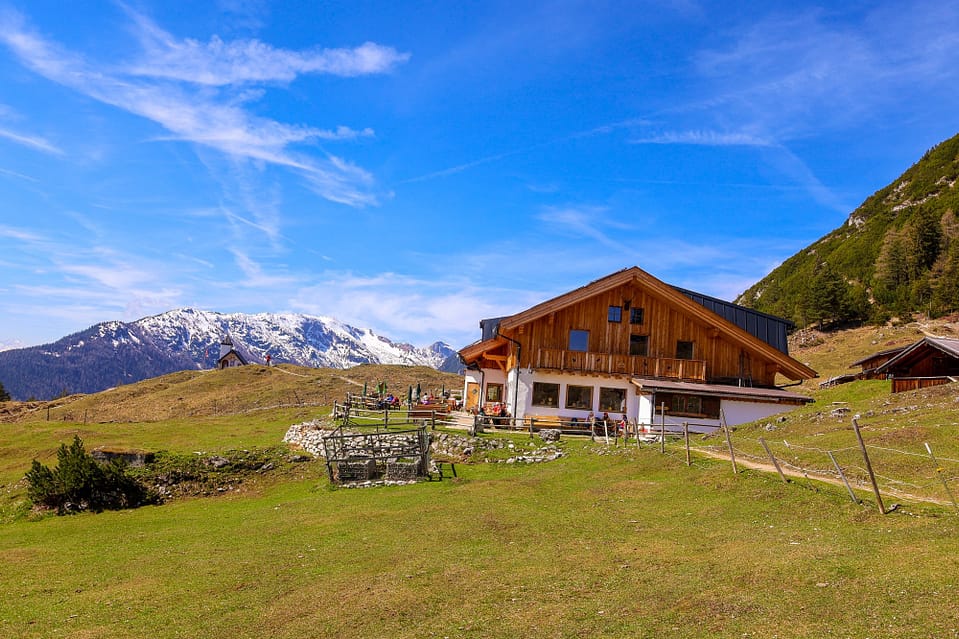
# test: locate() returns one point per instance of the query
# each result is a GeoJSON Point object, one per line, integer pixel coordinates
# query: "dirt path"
{"type": "Point", "coordinates": [828, 479]}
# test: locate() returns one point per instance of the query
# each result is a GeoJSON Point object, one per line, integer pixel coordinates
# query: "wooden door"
{"type": "Point", "coordinates": [472, 396]}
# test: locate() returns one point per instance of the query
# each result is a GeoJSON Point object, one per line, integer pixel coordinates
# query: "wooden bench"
{"type": "Point", "coordinates": [541, 422]}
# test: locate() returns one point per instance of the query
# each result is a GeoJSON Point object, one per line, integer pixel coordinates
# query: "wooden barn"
{"type": "Point", "coordinates": [631, 345]}
{"type": "Point", "coordinates": [929, 362]}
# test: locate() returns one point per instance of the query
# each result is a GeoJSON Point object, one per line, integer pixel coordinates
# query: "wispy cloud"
{"type": "Point", "coordinates": [219, 63]}
{"type": "Point", "coordinates": [705, 138]}
{"type": "Point", "coordinates": [255, 276]}
{"type": "Point", "coordinates": [592, 222]}
{"type": "Point", "coordinates": [20, 234]}
{"type": "Point", "coordinates": [33, 142]}
{"type": "Point", "coordinates": [17, 175]}
{"type": "Point", "coordinates": [199, 93]}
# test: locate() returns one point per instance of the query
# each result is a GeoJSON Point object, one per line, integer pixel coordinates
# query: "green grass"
{"type": "Point", "coordinates": [626, 544]}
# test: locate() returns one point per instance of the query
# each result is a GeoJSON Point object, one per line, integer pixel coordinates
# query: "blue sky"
{"type": "Point", "coordinates": [414, 167]}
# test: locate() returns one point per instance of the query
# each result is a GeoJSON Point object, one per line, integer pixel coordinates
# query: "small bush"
{"type": "Point", "coordinates": [80, 483]}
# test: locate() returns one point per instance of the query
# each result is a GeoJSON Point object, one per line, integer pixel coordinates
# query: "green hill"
{"type": "Point", "coordinates": [896, 254]}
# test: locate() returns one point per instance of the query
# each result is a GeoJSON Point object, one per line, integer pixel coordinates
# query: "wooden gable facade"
{"type": "Point", "coordinates": [630, 331]}
{"type": "Point", "coordinates": [632, 324]}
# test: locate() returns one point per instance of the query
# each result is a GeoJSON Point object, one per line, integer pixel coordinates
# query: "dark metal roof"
{"type": "Point", "coordinates": [763, 326]}
{"type": "Point", "coordinates": [489, 326]}
{"type": "Point", "coordinates": [768, 328]}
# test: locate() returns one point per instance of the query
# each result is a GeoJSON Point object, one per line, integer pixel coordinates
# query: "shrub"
{"type": "Point", "coordinates": [80, 483]}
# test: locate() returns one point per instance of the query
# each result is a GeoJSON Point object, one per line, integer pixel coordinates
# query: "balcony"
{"type": "Point", "coordinates": [585, 362]}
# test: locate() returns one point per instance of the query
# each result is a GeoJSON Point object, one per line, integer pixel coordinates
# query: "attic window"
{"type": "Point", "coordinates": [684, 350]}
{"type": "Point", "coordinates": [615, 314]}
{"type": "Point", "coordinates": [635, 316]}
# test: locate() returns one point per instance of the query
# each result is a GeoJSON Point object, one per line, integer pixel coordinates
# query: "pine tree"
{"type": "Point", "coordinates": [4, 395]}
{"type": "Point", "coordinates": [891, 280]}
{"type": "Point", "coordinates": [925, 235]}
{"type": "Point", "coordinates": [828, 295]}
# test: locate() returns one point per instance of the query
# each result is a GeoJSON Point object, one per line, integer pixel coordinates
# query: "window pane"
{"type": "Point", "coordinates": [689, 405]}
{"type": "Point", "coordinates": [494, 392]}
{"type": "Point", "coordinates": [639, 345]}
{"type": "Point", "coordinates": [635, 316]}
{"type": "Point", "coordinates": [579, 397]}
{"type": "Point", "coordinates": [684, 350]}
{"type": "Point", "coordinates": [612, 400]}
{"type": "Point", "coordinates": [545, 394]}
{"type": "Point", "coordinates": [578, 340]}
{"type": "Point", "coordinates": [615, 314]}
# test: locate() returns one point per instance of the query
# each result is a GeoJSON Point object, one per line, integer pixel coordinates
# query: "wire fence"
{"type": "Point", "coordinates": [915, 472]}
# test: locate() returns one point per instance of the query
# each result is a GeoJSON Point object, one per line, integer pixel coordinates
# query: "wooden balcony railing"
{"type": "Point", "coordinates": [665, 367]}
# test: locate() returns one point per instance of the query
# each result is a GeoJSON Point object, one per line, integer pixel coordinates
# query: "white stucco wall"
{"type": "Point", "coordinates": [736, 412]}
{"type": "Point", "coordinates": [639, 407]}
{"type": "Point", "coordinates": [525, 395]}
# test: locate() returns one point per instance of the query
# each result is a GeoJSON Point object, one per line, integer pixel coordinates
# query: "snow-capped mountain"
{"type": "Point", "coordinates": [113, 353]}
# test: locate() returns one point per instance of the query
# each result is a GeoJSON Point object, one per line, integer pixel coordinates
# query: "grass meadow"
{"type": "Point", "coordinates": [601, 543]}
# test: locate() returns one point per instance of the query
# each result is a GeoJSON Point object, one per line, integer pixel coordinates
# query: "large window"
{"type": "Point", "coordinates": [494, 392]}
{"type": "Point", "coordinates": [690, 405]}
{"type": "Point", "coordinates": [639, 345]}
{"type": "Point", "coordinates": [578, 340]}
{"type": "Point", "coordinates": [636, 316]}
{"type": "Point", "coordinates": [684, 350]}
{"type": "Point", "coordinates": [612, 400]}
{"type": "Point", "coordinates": [615, 314]}
{"type": "Point", "coordinates": [580, 397]}
{"type": "Point", "coordinates": [545, 394]}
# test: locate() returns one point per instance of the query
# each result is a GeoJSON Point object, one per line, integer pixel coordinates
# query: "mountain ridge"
{"type": "Point", "coordinates": [895, 254]}
{"type": "Point", "coordinates": [114, 352]}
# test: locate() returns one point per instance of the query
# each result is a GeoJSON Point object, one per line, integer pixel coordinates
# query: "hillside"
{"type": "Point", "coordinates": [114, 353]}
{"type": "Point", "coordinates": [606, 541]}
{"type": "Point", "coordinates": [193, 393]}
{"type": "Point", "coordinates": [895, 254]}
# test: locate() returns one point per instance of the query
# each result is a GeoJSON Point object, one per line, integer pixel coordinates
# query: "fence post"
{"type": "Point", "coordinates": [945, 484]}
{"type": "Point", "coordinates": [729, 442]}
{"type": "Point", "coordinates": [842, 475]}
{"type": "Point", "coordinates": [773, 458]}
{"type": "Point", "coordinates": [872, 476]}
{"type": "Point", "coordinates": [662, 427]}
{"type": "Point", "coordinates": [432, 420]}
{"type": "Point", "coordinates": [686, 439]}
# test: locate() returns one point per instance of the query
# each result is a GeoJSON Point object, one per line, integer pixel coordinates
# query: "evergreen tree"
{"type": "Point", "coordinates": [79, 483]}
{"type": "Point", "coordinates": [4, 395]}
{"type": "Point", "coordinates": [828, 295]}
{"type": "Point", "coordinates": [925, 235]}
{"type": "Point", "coordinates": [892, 272]}
{"type": "Point", "coordinates": [945, 288]}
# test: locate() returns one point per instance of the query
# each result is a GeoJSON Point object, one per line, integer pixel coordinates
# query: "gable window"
{"type": "Point", "coordinates": [545, 394]}
{"type": "Point", "coordinates": [684, 350]}
{"type": "Point", "coordinates": [615, 314]}
{"type": "Point", "coordinates": [494, 392]}
{"type": "Point", "coordinates": [578, 340]}
{"type": "Point", "coordinates": [636, 316]}
{"type": "Point", "coordinates": [639, 345]}
{"type": "Point", "coordinates": [579, 397]}
{"type": "Point", "coordinates": [612, 400]}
